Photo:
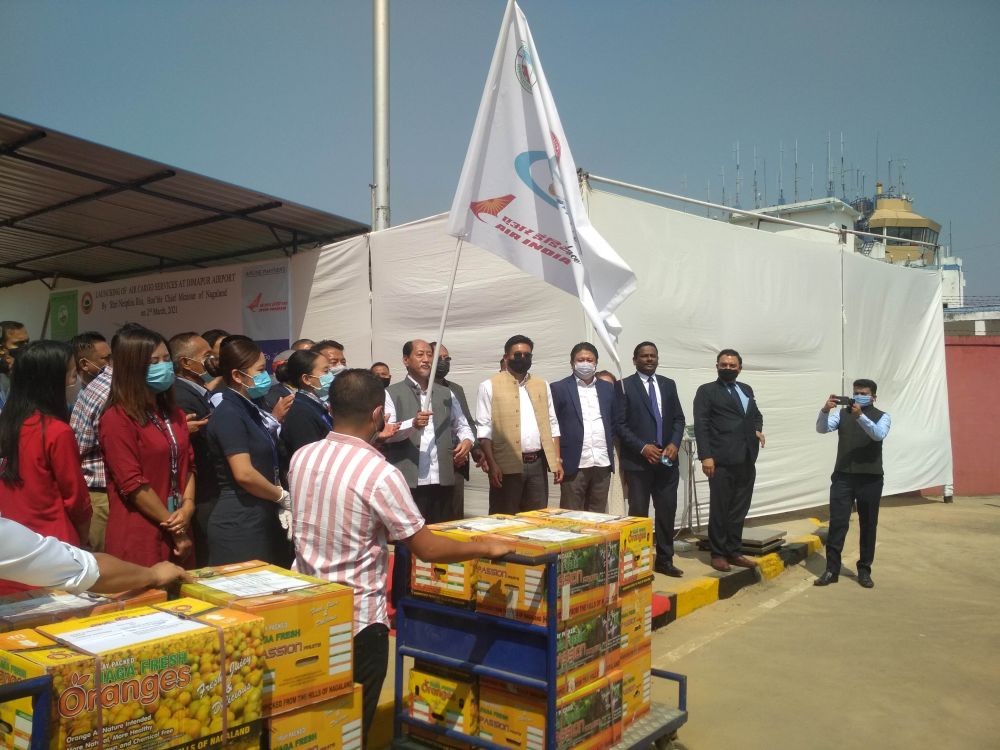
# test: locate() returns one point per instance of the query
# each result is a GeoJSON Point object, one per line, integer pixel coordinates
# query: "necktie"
{"type": "Point", "coordinates": [734, 394]}
{"type": "Point", "coordinates": [656, 409]}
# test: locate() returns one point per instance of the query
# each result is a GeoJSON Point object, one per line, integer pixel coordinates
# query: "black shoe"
{"type": "Point", "coordinates": [865, 579]}
{"type": "Point", "coordinates": [826, 579]}
{"type": "Point", "coordinates": [668, 569]}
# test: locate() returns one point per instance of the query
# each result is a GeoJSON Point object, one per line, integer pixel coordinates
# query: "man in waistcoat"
{"type": "Point", "coordinates": [429, 441]}
{"type": "Point", "coordinates": [857, 476]}
{"type": "Point", "coordinates": [518, 432]}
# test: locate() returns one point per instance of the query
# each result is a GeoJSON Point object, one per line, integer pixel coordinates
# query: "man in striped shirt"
{"type": "Point", "coordinates": [347, 503]}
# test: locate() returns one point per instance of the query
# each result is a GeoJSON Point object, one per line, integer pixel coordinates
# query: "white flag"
{"type": "Point", "coordinates": [519, 197]}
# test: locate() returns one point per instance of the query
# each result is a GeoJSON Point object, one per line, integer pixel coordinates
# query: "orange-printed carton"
{"type": "Point", "coordinates": [637, 683]}
{"type": "Point", "coordinates": [636, 617]}
{"type": "Point", "coordinates": [458, 580]}
{"type": "Point", "coordinates": [141, 678]}
{"type": "Point", "coordinates": [588, 718]}
{"type": "Point", "coordinates": [30, 609]}
{"type": "Point", "coordinates": [518, 591]}
{"type": "Point", "coordinates": [307, 641]}
{"type": "Point", "coordinates": [632, 538]}
{"type": "Point", "coordinates": [444, 698]}
{"type": "Point", "coordinates": [334, 724]}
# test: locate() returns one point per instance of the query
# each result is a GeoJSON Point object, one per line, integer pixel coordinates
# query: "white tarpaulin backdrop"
{"type": "Point", "coordinates": [807, 318]}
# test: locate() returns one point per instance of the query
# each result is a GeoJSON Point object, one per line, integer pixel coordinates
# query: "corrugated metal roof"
{"type": "Point", "coordinates": [93, 213]}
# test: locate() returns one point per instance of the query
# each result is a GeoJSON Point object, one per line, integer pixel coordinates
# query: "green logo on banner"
{"type": "Point", "coordinates": [63, 315]}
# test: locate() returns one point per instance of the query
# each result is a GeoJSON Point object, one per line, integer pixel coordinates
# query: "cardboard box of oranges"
{"type": "Point", "coordinates": [457, 581]}
{"type": "Point", "coordinates": [143, 678]}
{"type": "Point", "coordinates": [307, 643]}
{"type": "Point", "coordinates": [42, 607]}
{"type": "Point", "coordinates": [631, 538]}
{"type": "Point", "coordinates": [518, 591]}
{"type": "Point", "coordinates": [444, 698]}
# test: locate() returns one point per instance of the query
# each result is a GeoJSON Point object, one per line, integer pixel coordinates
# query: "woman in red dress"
{"type": "Point", "coordinates": [41, 484]}
{"type": "Point", "coordinates": [148, 456]}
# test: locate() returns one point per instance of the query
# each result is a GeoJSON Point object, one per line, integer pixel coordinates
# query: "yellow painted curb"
{"type": "Point", "coordinates": [770, 566]}
{"type": "Point", "coordinates": [814, 542]}
{"type": "Point", "coordinates": [696, 594]}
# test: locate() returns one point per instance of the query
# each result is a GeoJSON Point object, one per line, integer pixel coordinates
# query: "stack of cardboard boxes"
{"type": "Point", "coordinates": [603, 622]}
{"type": "Point", "coordinates": [250, 652]}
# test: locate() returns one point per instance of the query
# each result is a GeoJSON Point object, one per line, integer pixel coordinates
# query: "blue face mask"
{"type": "Point", "coordinates": [862, 401]}
{"type": "Point", "coordinates": [323, 393]}
{"type": "Point", "coordinates": [160, 376]}
{"type": "Point", "coordinates": [261, 385]}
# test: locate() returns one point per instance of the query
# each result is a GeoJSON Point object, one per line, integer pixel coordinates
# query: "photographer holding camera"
{"type": "Point", "coordinates": [857, 475]}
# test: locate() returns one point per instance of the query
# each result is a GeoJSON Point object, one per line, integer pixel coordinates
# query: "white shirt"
{"type": "Point", "coordinates": [428, 468]}
{"type": "Point", "coordinates": [875, 430]}
{"type": "Point", "coordinates": [656, 389]}
{"type": "Point", "coordinates": [34, 560]}
{"type": "Point", "coordinates": [595, 444]}
{"type": "Point", "coordinates": [531, 438]}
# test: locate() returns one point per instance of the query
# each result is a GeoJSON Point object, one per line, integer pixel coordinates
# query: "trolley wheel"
{"type": "Point", "coordinates": [665, 743]}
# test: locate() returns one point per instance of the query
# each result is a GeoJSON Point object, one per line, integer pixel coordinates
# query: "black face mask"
{"type": "Point", "coordinates": [444, 367]}
{"type": "Point", "coordinates": [728, 376]}
{"type": "Point", "coordinates": [519, 363]}
{"type": "Point", "coordinates": [385, 382]}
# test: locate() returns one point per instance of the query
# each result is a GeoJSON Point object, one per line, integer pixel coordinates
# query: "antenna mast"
{"type": "Point", "coordinates": [756, 191]}
{"type": "Point", "coordinates": [796, 179]}
{"type": "Point", "coordinates": [739, 179]}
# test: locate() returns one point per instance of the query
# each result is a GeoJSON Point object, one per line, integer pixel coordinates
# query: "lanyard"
{"type": "Point", "coordinates": [167, 430]}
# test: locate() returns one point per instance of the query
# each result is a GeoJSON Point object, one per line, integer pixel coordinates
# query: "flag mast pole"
{"type": "Point", "coordinates": [444, 320]}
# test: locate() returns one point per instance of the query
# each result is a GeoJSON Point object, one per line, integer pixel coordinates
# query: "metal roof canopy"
{"type": "Point", "coordinates": [75, 209]}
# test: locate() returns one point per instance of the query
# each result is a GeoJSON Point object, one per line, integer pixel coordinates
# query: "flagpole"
{"type": "Point", "coordinates": [444, 320]}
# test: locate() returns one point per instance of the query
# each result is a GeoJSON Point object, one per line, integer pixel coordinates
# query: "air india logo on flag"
{"type": "Point", "coordinates": [492, 206]}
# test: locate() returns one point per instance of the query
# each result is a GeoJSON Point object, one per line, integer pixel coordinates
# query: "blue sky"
{"type": "Point", "coordinates": [276, 95]}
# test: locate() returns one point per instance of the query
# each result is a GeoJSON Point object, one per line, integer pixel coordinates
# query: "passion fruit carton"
{"type": "Point", "coordinates": [307, 640]}
{"type": "Point", "coordinates": [142, 678]}
{"type": "Point", "coordinates": [457, 581]}
{"type": "Point", "coordinates": [632, 538]}
{"type": "Point", "coordinates": [30, 609]}
{"type": "Point", "coordinates": [334, 724]}
{"type": "Point", "coordinates": [518, 591]}
{"type": "Point", "coordinates": [637, 686]}
{"type": "Point", "coordinates": [636, 618]}
{"type": "Point", "coordinates": [444, 698]}
{"type": "Point", "coordinates": [585, 719]}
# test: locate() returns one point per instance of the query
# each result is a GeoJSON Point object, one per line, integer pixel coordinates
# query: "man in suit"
{"type": "Point", "coordinates": [190, 352]}
{"type": "Point", "coordinates": [584, 406]}
{"type": "Point", "coordinates": [650, 424]}
{"type": "Point", "coordinates": [728, 428]}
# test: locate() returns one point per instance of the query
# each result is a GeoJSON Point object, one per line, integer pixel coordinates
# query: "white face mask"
{"type": "Point", "coordinates": [337, 370]}
{"type": "Point", "coordinates": [584, 370]}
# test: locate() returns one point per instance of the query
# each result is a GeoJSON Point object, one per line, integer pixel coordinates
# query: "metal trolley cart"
{"type": "Point", "coordinates": [509, 650]}
{"type": "Point", "coordinates": [40, 691]}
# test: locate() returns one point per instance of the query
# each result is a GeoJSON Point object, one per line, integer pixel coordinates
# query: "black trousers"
{"type": "Point", "coordinates": [660, 483]}
{"type": "Point", "coordinates": [845, 489]}
{"type": "Point", "coordinates": [436, 502]}
{"type": "Point", "coordinates": [371, 662]}
{"type": "Point", "coordinates": [730, 493]}
{"type": "Point", "coordinates": [528, 490]}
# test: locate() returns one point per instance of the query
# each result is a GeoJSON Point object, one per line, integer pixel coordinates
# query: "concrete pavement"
{"type": "Point", "coordinates": [914, 662]}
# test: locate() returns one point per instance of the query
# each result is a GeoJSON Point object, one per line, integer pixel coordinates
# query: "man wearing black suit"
{"type": "Point", "coordinates": [728, 428]}
{"type": "Point", "coordinates": [650, 424]}
{"type": "Point", "coordinates": [190, 353]}
{"type": "Point", "coordinates": [584, 406]}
